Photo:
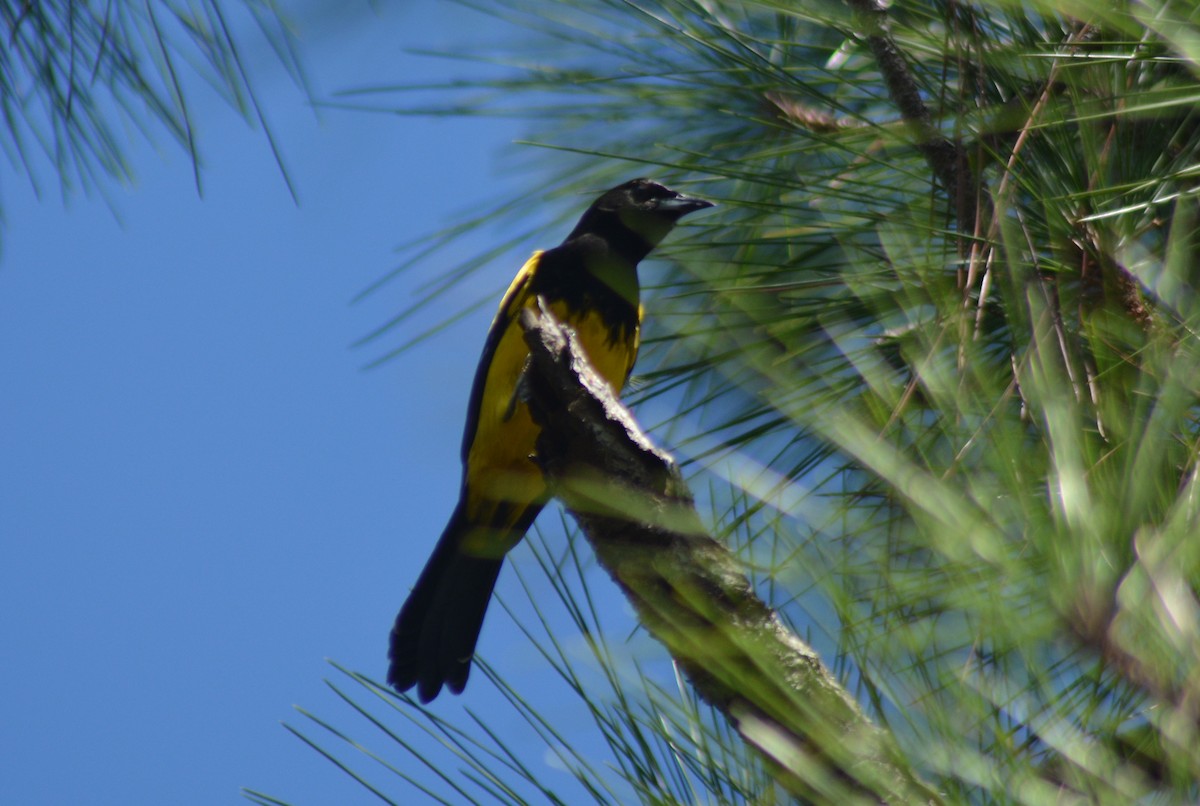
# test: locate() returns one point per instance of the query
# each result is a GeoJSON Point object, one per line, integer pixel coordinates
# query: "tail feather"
{"type": "Point", "coordinates": [458, 612]}
{"type": "Point", "coordinates": [435, 633]}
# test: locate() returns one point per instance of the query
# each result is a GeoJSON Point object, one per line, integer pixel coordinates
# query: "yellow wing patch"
{"type": "Point", "coordinates": [502, 481]}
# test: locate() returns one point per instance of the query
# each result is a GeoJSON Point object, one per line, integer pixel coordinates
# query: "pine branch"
{"type": "Point", "coordinates": [690, 592]}
{"type": "Point", "coordinates": [945, 157]}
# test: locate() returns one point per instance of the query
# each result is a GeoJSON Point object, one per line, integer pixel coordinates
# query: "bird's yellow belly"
{"type": "Point", "coordinates": [502, 478]}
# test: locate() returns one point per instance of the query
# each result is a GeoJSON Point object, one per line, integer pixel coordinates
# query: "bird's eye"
{"type": "Point", "coordinates": [650, 192]}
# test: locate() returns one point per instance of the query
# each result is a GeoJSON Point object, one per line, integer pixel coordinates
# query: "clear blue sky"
{"type": "Point", "coordinates": [202, 494]}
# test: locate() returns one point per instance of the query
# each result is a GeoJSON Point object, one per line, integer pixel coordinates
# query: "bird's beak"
{"type": "Point", "coordinates": [682, 205]}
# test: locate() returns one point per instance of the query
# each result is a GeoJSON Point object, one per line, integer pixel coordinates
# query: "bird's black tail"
{"type": "Point", "coordinates": [434, 637]}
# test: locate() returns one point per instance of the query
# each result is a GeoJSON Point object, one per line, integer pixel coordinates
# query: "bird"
{"type": "Point", "coordinates": [590, 282]}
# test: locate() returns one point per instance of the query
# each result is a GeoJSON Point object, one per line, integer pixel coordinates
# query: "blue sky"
{"type": "Point", "coordinates": [203, 495]}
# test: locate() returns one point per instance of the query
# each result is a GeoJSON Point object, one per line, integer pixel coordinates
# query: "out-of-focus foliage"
{"type": "Point", "coordinates": [78, 76]}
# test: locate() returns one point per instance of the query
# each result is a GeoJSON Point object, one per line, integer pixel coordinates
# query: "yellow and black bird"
{"type": "Point", "coordinates": [590, 282]}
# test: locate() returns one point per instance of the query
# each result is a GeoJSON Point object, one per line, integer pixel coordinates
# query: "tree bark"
{"type": "Point", "coordinates": [690, 592]}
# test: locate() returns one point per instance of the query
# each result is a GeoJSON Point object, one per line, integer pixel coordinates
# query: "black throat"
{"type": "Point", "coordinates": [595, 269]}
{"type": "Point", "coordinates": [607, 226]}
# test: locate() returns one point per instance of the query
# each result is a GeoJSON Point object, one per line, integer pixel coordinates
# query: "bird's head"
{"type": "Point", "coordinates": [645, 207]}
